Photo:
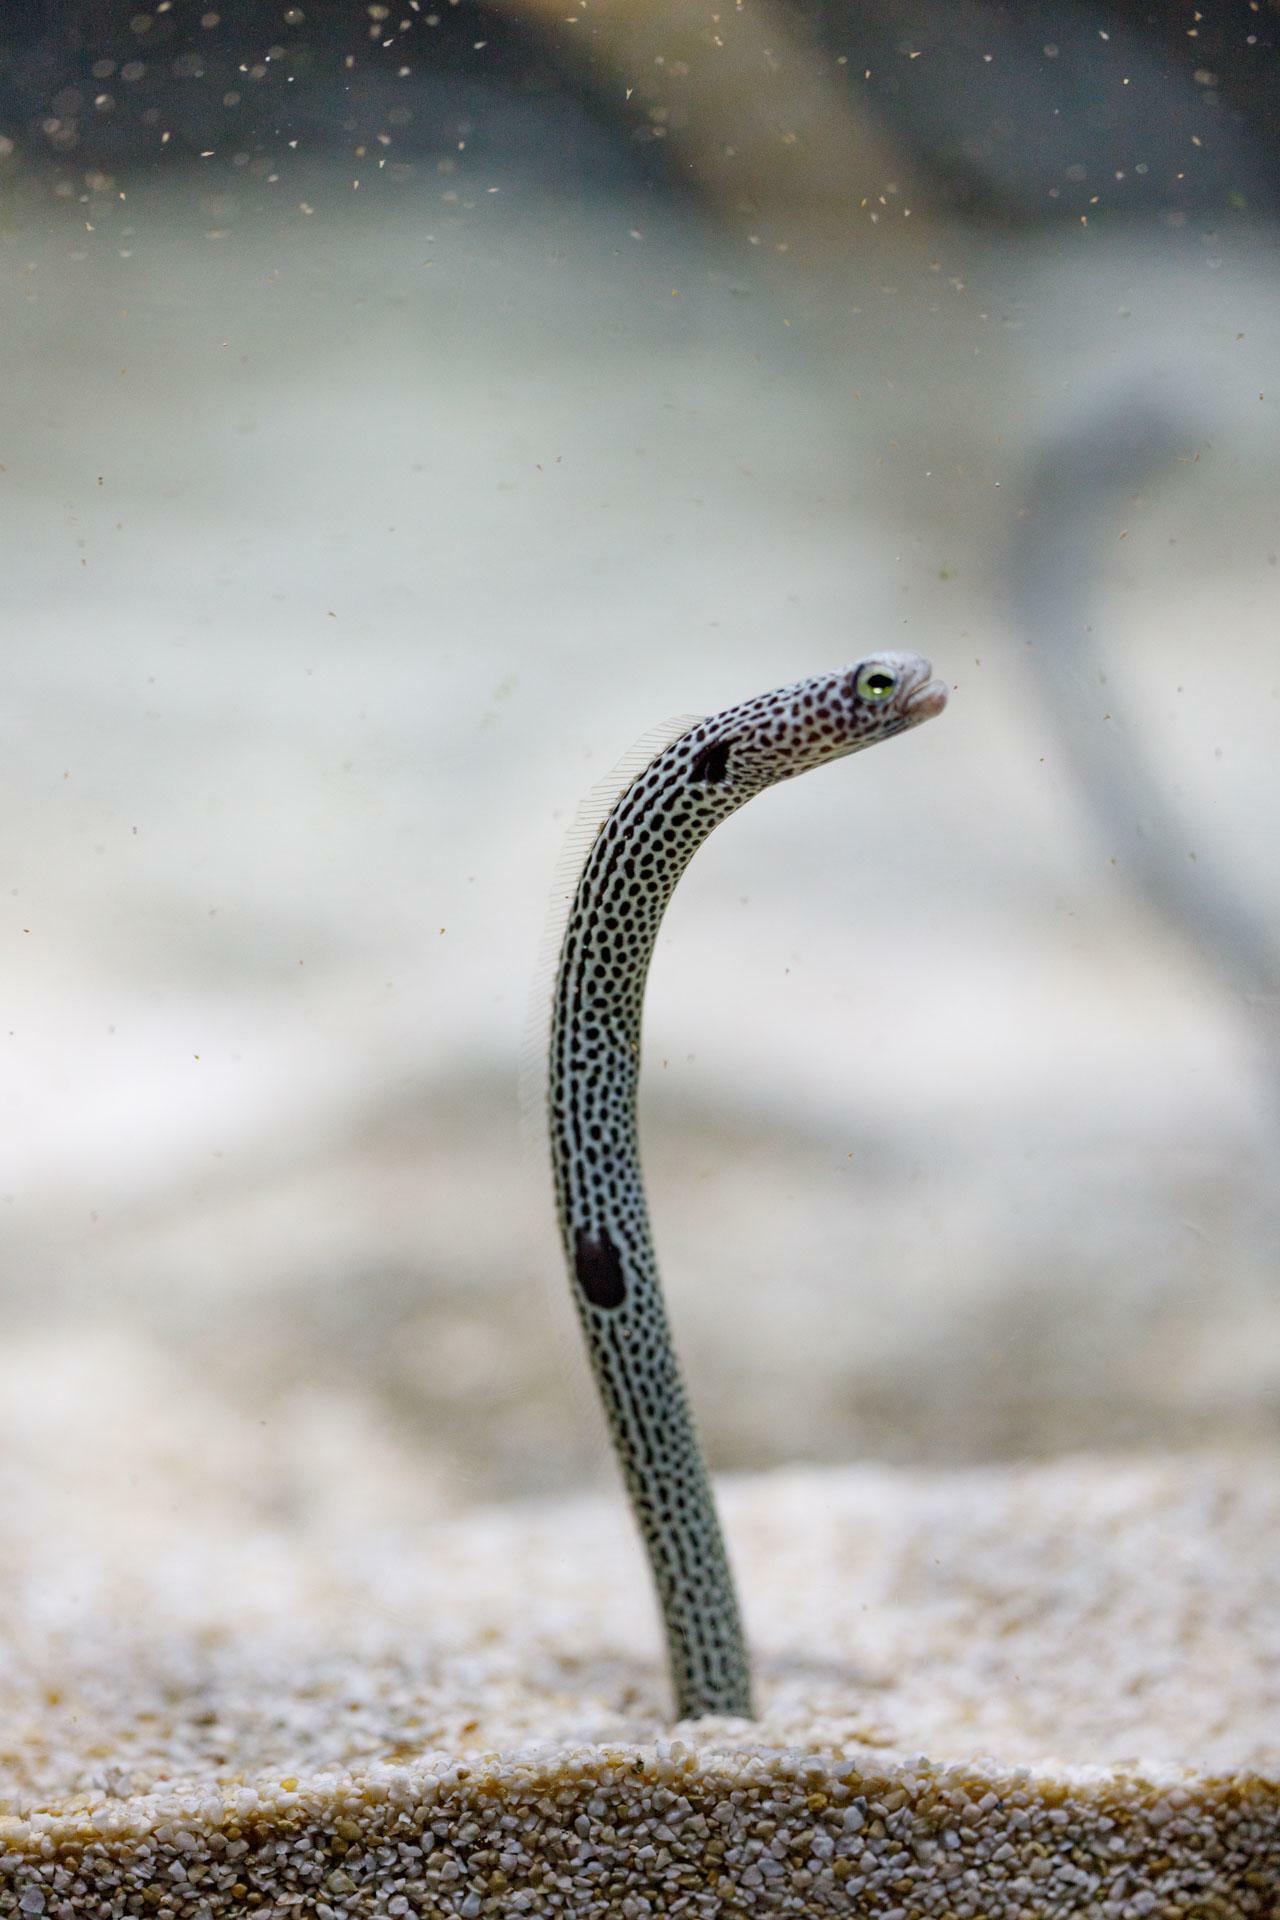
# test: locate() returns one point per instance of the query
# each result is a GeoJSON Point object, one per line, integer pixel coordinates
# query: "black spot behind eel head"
{"type": "Point", "coordinates": [710, 763]}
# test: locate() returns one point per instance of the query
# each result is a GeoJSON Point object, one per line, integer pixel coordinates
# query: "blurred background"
{"type": "Point", "coordinates": [401, 410]}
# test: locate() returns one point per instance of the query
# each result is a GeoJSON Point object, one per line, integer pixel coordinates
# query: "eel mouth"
{"type": "Point", "coordinates": [924, 701]}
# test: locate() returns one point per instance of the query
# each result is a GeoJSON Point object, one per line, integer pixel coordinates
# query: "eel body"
{"type": "Point", "coordinates": [1076, 492]}
{"type": "Point", "coordinates": [640, 850]}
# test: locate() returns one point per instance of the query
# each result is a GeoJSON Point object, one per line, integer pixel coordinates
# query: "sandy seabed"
{"type": "Point", "coordinates": [1005, 1691]}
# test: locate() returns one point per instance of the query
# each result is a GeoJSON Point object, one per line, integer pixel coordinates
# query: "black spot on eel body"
{"type": "Point", "coordinates": [712, 763]}
{"type": "Point", "coordinates": [598, 1266]}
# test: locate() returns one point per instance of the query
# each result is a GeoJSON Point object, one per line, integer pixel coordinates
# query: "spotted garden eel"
{"type": "Point", "coordinates": [1077, 492]}
{"type": "Point", "coordinates": [639, 852]}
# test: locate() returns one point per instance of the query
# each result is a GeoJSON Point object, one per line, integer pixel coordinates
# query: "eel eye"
{"type": "Point", "coordinates": [875, 684]}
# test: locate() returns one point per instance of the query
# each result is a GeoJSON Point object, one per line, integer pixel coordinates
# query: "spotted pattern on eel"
{"type": "Point", "coordinates": [640, 850]}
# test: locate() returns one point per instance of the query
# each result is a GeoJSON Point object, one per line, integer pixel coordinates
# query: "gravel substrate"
{"type": "Point", "coordinates": [1038, 1692]}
